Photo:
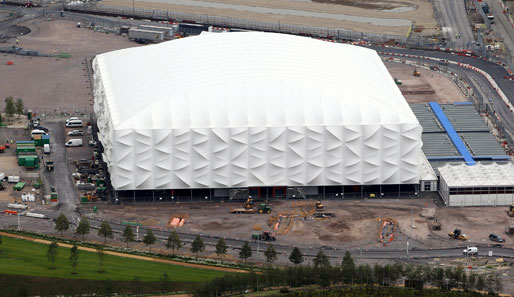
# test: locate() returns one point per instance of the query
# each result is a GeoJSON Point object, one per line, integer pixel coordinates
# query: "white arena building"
{"type": "Point", "coordinates": [219, 112]}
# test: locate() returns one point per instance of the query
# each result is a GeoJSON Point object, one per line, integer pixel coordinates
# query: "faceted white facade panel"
{"type": "Point", "coordinates": [252, 109]}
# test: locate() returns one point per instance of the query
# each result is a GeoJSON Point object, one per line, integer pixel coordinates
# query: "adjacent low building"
{"type": "Point", "coordinates": [478, 185]}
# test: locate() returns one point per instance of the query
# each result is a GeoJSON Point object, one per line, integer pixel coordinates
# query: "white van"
{"type": "Point", "coordinates": [46, 148]}
{"type": "Point", "coordinates": [74, 124]}
{"type": "Point", "coordinates": [470, 251]}
{"type": "Point", "coordinates": [71, 119]}
{"type": "Point", "coordinates": [74, 142]}
{"type": "Point", "coordinates": [37, 132]}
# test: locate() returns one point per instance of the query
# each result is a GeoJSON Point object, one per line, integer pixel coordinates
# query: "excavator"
{"type": "Point", "coordinates": [319, 206]}
{"type": "Point", "coordinates": [510, 212]}
{"type": "Point", "coordinates": [249, 203]}
{"type": "Point", "coordinates": [416, 72]}
{"type": "Point", "coordinates": [457, 234]}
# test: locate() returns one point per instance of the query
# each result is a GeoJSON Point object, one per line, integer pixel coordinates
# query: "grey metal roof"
{"type": "Point", "coordinates": [466, 121]}
{"type": "Point", "coordinates": [438, 144]}
{"type": "Point", "coordinates": [464, 118]}
{"type": "Point", "coordinates": [427, 118]}
{"type": "Point", "coordinates": [482, 143]}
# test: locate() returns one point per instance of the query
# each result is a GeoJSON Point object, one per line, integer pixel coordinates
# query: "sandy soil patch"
{"type": "Point", "coordinates": [52, 84]}
{"type": "Point", "coordinates": [430, 86]}
{"type": "Point", "coordinates": [421, 16]}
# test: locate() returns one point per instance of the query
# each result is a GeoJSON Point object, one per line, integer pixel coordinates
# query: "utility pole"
{"type": "Point", "coordinates": [137, 234]}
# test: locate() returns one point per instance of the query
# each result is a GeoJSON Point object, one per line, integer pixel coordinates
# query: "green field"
{"type": "Point", "coordinates": [24, 257]}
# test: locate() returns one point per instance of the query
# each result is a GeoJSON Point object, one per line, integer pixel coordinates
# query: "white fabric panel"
{"type": "Point", "coordinates": [252, 109]}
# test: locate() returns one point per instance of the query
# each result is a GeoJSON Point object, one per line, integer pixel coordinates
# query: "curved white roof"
{"type": "Point", "coordinates": [248, 79]}
{"type": "Point", "coordinates": [252, 109]}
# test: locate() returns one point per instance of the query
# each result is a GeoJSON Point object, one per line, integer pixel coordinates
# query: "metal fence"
{"type": "Point", "coordinates": [165, 15]}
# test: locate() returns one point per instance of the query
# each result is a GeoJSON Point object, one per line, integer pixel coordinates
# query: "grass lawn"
{"type": "Point", "coordinates": [18, 256]}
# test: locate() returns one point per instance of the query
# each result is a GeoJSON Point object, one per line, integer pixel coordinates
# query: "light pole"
{"type": "Point", "coordinates": [133, 6]}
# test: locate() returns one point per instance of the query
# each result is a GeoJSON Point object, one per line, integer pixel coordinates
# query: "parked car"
{"type": "Point", "coordinates": [495, 237]}
{"type": "Point", "coordinates": [470, 250]}
{"type": "Point", "coordinates": [76, 133]}
{"type": "Point", "coordinates": [71, 119]}
{"type": "Point", "coordinates": [42, 128]}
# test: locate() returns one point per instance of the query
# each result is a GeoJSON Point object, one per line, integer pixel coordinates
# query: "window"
{"type": "Point", "coordinates": [427, 187]}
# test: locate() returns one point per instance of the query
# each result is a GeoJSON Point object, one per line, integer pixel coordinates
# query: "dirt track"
{"type": "Point", "coordinates": [418, 11]}
{"type": "Point", "coordinates": [128, 255]}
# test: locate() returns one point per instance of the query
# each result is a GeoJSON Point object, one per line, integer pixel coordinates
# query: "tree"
{"type": "Point", "coordinates": [51, 253]}
{"type": "Point", "coordinates": [221, 248]}
{"type": "Point", "coordinates": [62, 224]}
{"type": "Point", "coordinates": [246, 251]}
{"type": "Point", "coordinates": [105, 231]}
{"type": "Point", "coordinates": [83, 227]}
{"type": "Point", "coordinates": [149, 238]}
{"type": "Point", "coordinates": [128, 234]}
{"type": "Point", "coordinates": [74, 258]}
{"type": "Point", "coordinates": [101, 257]}
{"type": "Point", "coordinates": [348, 268]}
{"type": "Point", "coordinates": [18, 106]}
{"type": "Point", "coordinates": [197, 245]}
{"type": "Point", "coordinates": [10, 108]}
{"type": "Point", "coordinates": [296, 256]}
{"type": "Point", "coordinates": [173, 242]}
{"type": "Point", "coordinates": [166, 284]}
{"type": "Point", "coordinates": [480, 285]}
{"type": "Point", "coordinates": [321, 260]}
{"type": "Point", "coordinates": [270, 254]}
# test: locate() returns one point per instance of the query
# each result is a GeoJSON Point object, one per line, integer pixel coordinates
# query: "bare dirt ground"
{"type": "Point", "coordinates": [356, 222]}
{"type": "Point", "coordinates": [430, 86]}
{"type": "Point", "coordinates": [418, 11]}
{"type": "Point", "coordinates": [53, 84]}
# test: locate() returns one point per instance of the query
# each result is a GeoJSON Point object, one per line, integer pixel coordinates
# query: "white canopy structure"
{"type": "Point", "coordinates": [480, 184]}
{"type": "Point", "coordinates": [252, 109]}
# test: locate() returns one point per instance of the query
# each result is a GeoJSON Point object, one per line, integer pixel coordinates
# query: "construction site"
{"type": "Point", "coordinates": [344, 224]}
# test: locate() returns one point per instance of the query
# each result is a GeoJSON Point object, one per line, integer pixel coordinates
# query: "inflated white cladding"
{"type": "Point", "coordinates": [256, 117]}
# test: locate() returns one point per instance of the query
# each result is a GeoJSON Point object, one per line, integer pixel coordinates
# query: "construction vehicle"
{"type": "Point", "coordinates": [49, 165]}
{"type": "Point", "coordinates": [435, 225]}
{"type": "Point", "coordinates": [510, 212]}
{"type": "Point", "coordinates": [416, 73]}
{"type": "Point", "coordinates": [319, 206]}
{"type": "Point", "coordinates": [247, 207]}
{"type": "Point", "coordinates": [264, 236]}
{"type": "Point", "coordinates": [457, 234]}
{"type": "Point", "coordinates": [249, 203]}
{"type": "Point", "coordinates": [264, 208]}
{"type": "Point", "coordinates": [397, 81]}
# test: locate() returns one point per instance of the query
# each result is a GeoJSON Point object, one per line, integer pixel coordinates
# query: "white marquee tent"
{"type": "Point", "coordinates": [252, 109]}
{"type": "Point", "coordinates": [480, 184]}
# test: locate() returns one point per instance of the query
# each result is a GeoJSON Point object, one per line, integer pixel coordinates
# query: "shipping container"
{"type": "Point", "coordinates": [168, 31]}
{"type": "Point", "coordinates": [135, 33]}
{"type": "Point", "coordinates": [46, 139]}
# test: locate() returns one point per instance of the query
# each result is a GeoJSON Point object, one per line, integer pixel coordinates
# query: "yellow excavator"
{"type": "Point", "coordinates": [319, 206]}
{"type": "Point", "coordinates": [510, 212]}
{"type": "Point", "coordinates": [457, 234]}
{"type": "Point", "coordinates": [416, 72]}
{"type": "Point", "coordinates": [249, 203]}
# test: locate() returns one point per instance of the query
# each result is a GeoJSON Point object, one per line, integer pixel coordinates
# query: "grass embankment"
{"type": "Point", "coordinates": [22, 257]}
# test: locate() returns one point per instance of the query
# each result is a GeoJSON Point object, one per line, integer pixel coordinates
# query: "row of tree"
{"type": "Point", "coordinates": [12, 107]}
{"type": "Point", "coordinates": [322, 273]}
{"type": "Point", "coordinates": [52, 252]}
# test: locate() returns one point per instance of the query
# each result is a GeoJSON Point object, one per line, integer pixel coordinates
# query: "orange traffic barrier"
{"type": "Point", "coordinates": [10, 62]}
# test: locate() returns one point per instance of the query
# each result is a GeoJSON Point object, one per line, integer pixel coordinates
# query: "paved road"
{"type": "Point", "coordinates": [501, 25]}
{"type": "Point", "coordinates": [455, 19]}
{"type": "Point", "coordinates": [61, 176]}
{"type": "Point", "coordinates": [496, 71]}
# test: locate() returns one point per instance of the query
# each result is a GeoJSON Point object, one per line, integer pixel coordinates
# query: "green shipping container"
{"type": "Point", "coordinates": [21, 161]}
{"type": "Point", "coordinates": [46, 139]}
{"type": "Point", "coordinates": [29, 162]}
{"type": "Point", "coordinates": [83, 199]}
{"type": "Point", "coordinates": [38, 141]}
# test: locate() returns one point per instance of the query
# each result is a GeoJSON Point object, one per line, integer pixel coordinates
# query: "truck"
{"type": "Point", "coordinates": [168, 31]}
{"type": "Point", "coordinates": [485, 7]}
{"type": "Point", "coordinates": [150, 35]}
